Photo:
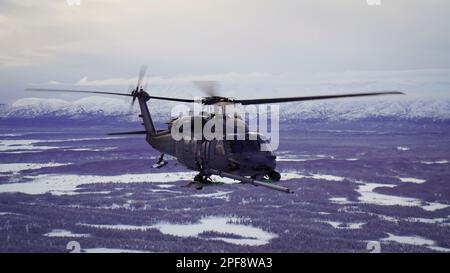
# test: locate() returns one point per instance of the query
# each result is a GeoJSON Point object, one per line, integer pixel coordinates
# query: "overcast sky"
{"type": "Point", "coordinates": [253, 47]}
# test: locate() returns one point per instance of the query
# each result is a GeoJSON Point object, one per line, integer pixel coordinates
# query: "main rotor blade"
{"type": "Point", "coordinates": [142, 72]}
{"type": "Point", "coordinates": [77, 91]}
{"type": "Point", "coordinates": [243, 102]}
{"type": "Point", "coordinates": [105, 93]}
{"type": "Point", "coordinates": [172, 99]}
{"type": "Point", "coordinates": [290, 99]}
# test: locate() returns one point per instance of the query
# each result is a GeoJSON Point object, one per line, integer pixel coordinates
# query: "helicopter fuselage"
{"type": "Point", "coordinates": [234, 156]}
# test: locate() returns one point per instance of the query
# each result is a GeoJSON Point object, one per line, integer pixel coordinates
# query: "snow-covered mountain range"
{"type": "Point", "coordinates": [411, 109]}
{"type": "Point", "coordinates": [99, 106]}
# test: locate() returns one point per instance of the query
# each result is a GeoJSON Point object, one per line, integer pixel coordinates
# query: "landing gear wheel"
{"type": "Point", "coordinates": [198, 181]}
{"type": "Point", "coordinates": [201, 180]}
{"type": "Point", "coordinates": [274, 176]}
{"type": "Point", "coordinates": [259, 177]}
{"type": "Point", "coordinates": [198, 178]}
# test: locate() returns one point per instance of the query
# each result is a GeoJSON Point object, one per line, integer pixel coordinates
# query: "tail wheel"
{"type": "Point", "coordinates": [274, 175]}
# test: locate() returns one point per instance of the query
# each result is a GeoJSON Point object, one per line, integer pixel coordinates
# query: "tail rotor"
{"type": "Point", "coordinates": [135, 92]}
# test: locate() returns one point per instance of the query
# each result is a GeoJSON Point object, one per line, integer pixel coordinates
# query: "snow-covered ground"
{"type": "Point", "coordinates": [223, 226]}
{"type": "Point", "coordinates": [351, 186]}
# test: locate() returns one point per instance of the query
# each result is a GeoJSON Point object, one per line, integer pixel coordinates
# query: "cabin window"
{"type": "Point", "coordinates": [244, 146]}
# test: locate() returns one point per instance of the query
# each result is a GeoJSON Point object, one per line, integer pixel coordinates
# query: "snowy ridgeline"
{"type": "Point", "coordinates": [351, 109]}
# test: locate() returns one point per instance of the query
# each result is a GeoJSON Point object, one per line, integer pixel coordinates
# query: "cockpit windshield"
{"type": "Point", "coordinates": [245, 146]}
{"type": "Point", "coordinates": [250, 142]}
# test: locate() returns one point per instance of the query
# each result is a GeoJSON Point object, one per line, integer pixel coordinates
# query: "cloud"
{"type": "Point", "coordinates": [37, 32]}
{"type": "Point", "coordinates": [316, 45]}
{"type": "Point", "coordinates": [418, 82]}
{"type": "Point", "coordinates": [294, 34]}
{"type": "Point", "coordinates": [182, 79]}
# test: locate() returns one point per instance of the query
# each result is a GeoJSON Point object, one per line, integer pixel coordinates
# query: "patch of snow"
{"type": "Point", "coordinates": [434, 162]}
{"type": "Point", "coordinates": [285, 159]}
{"type": "Point", "coordinates": [342, 225]}
{"type": "Point", "coordinates": [224, 195]}
{"type": "Point", "coordinates": [301, 158]}
{"type": "Point", "coordinates": [91, 149]}
{"type": "Point", "coordinates": [30, 144]}
{"type": "Point", "coordinates": [24, 152]}
{"type": "Point", "coordinates": [438, 248]}
{"type": "Point", "coordinates": [165, 186]}
{"type": "Point", "coordinates": [340, 200]}
{"type": "Point", "coordinates": [164, 190]}
{"type": "Point", "coordinates": [119, 227]}
{"type": "Point", "coordinates": [325, 156]}
{"type": "Point", "coordinates": [111, 250]}
{"type": "Point", "coordinates": [323, 213]}
{"type": "Point", "coordinates": [434, 221]}
{"type": "Point", "coordinates": [386, 218]}
{"type": "Point", "coordinates": [434, 206]}
{"type": "Point", "coordinates": [22, 144]}
{"type": "Point", "coordinates": [251, 235]}
{"type": "Point", "coordinates": [410, 240]}
{"type": "Point", "coordinates": [65, 233]}
{"type": "Point", "coordinates": [367, 195]}
{"type": "Point", "coordinates": [292, 175]}
{"type": "Point", "coordinates": [10, 135]}
{"type": "Point", "coordinates": [18, 167]}
{"type": "Point", "coordinates": [412, 180]}
{"type": "Point", "coordinates": [67, 184]}
{"type": "Point", "coordinates": [254, 236]}
{"type": "Point", "coordinates": [8, 213]}
{"type": "Point", "coordinates": [327, 177]}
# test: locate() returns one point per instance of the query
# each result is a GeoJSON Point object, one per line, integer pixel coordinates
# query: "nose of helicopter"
{"type": "Point", "coordinates": [263, 161]}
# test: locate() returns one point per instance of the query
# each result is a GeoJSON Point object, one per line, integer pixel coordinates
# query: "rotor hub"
{"type": "Point", "coordinates": [216, 100]}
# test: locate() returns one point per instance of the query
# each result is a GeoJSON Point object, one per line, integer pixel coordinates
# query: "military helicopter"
{"type": "Point", "coordinates": [241, 160]}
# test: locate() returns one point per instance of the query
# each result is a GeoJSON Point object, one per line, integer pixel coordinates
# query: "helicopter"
{"type": "Point", "coordinates": [241, 160]}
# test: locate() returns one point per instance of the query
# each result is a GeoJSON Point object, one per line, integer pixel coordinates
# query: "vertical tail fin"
{"type": "Point", "coordinates": [145, 113]}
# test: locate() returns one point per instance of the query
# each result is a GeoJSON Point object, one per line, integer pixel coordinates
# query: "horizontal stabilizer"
{"type": "Point", "coordinates": [128, 133]}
